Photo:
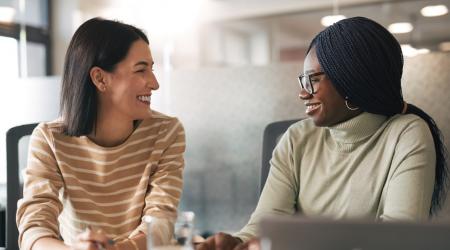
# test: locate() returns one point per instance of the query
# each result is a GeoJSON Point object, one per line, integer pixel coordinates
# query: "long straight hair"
{"type": "Point", "coordinates": [364, 62]}
{"type": "Point", "coordinates": [97, 42]}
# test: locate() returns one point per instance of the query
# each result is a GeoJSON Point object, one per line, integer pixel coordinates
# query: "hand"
{"type": "Point", "coordinates": [220, 241]}
{"type": "Point", "coordinates": [253, 244]}
{"type": "Point", "coordinates": [93, 240]}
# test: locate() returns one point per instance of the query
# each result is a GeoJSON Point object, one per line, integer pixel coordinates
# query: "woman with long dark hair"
{"type": "Point", "coordinates": [364, 152]}
{"type": "Point", "coordinates": [93, 174]}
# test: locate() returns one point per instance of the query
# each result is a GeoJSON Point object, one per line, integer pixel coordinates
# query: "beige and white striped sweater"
{"type": "Point", "coordinates": [108, 188]}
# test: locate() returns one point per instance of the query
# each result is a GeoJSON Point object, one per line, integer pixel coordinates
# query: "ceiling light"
{"type": "Point", "coordinates": [423, 51]}
{"type": "Point", "coordinates": [444, 46]}
{"type": "Point", "coordinates": [398, 28]}
{"type": "Point", "coordinates": [434, 10]}
{"type": "Point", "coordinates": [7, 14]}
{"type": "Point", "coordinates": [410, 51]}
{"type": "Point", "coordinates": [329, 20]}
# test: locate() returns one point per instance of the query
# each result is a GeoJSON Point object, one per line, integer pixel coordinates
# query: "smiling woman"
{"type": "Point", "coordinates": [364, 153]}
{"type": "Point", "coordinates": [110, 159]}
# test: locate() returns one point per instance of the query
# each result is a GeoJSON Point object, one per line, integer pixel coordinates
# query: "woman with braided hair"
{"type": "Point", "coordinates": [364, 152]}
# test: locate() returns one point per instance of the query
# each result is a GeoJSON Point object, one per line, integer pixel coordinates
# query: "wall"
{"type": "Point", "coordinates": [426, 83]}
{"type": "Point", "coordinates": [224, 112]}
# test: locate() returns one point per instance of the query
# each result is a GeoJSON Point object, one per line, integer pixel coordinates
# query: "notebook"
{"type": "Point", "coordinates": [299, 233]}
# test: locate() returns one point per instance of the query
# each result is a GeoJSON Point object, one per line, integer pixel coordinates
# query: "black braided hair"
{"type": "Point", "coordinates": [364, 62]}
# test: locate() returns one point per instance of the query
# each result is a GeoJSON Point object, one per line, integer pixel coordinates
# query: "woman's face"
{"type": "Point", "coordinates": [130, 85]}
{"type": "Point", "coordinates": [326, 106]}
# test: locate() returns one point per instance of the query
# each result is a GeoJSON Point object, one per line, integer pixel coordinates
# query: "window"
{"type": "Point", "coordinates": [36, 26]}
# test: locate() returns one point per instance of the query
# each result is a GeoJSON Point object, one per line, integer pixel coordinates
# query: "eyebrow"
{"type": "Point", "coordinates": [144, 63]}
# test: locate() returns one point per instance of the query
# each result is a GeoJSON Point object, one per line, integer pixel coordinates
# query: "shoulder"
{"type": "Point", "coordinates": [43, 135]}
{"type": "Point", "coordinates": [305, 124]}
{"type": "Point", "coordinates": [158, 117]}
{"type": "Point", "coordinates": [303, 128]}
{"type": "Point", "coordinates": [48, 129]}
{"type": "Point", "coordinates": [408, 123]}
{"type": "Point", "coordinates": [409, 132]}
{"type": "Point", "coordinates": [162, 122]}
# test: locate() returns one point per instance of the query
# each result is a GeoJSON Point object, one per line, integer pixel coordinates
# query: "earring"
{"type": "Point", "coordinates": [348, 106]}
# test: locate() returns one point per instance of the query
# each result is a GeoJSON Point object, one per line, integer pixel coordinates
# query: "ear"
{"type": "Point", "coordinates": [98, 77]}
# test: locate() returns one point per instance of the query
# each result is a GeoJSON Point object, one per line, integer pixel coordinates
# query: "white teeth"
{"type": "Point", "coordinates": [144, 98]}
{"type": "Point", "coordinates": [312, 107]}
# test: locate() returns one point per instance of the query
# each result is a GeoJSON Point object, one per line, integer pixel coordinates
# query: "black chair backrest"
{"type": "Point", "coordinates": [13, 185]}
{"type": "Point", "coordinates": [272, 134]}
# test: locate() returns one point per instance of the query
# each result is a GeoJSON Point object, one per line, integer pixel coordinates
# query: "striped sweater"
{"type": "Point", "coordinates": [72, 183]}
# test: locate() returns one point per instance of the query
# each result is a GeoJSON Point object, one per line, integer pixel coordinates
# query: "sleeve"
{"type": "Point", "coordinates": [279, 196]}
{"type": "Point", "coordinates": [38, 210]}
{"type": "Point", "coordinates": [165, 186]}
{"type": "Point", "coordinates": [411, 183]}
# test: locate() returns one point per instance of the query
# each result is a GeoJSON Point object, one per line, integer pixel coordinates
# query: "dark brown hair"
{"type": "Point", "coordinates": [97, 42]}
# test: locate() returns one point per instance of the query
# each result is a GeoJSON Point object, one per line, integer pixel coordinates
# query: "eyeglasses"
{"type": "Point", "coordinates": [307, 82]}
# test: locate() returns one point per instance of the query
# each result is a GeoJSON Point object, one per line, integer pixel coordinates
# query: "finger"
{"type": "Point", "coordinates": [201, 246]}
{"type": "Point", "coordinates": [206, 245]}
{"type": "Point", "coordinates": [220, 241]}
{"type": "Point", "coordinates": [209, 243]}
{"type": "Point", "coordinates": [225, 241]}
{"type": "Point", "coordinates": [197, 239]}
{"type": "Point", "coordinates": [95, 236]}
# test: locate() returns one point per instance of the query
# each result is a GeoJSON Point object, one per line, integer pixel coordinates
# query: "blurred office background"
{"type": "Point", "coordinates": [226, 68]}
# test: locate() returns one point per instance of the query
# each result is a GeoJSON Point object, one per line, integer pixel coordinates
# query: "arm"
{"type": "Point", "coordinates": [46, 243]}
{"type": "Point", "coordinates": [411, 183]}
{"type": "Point", "coordinates": [165, 187]}
{"type": "Point", "coordinates": [280, 192]}
{"type": "Point", "coordinates": [39, 208]}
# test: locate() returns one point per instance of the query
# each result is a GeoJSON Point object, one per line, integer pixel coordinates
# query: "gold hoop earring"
{"type": "Point", "coordinates": [348, 106]}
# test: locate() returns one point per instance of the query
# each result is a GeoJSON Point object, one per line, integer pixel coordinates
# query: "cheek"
{"type": "Point", "coordinates": [123, 96]}
{"type": "Point", "coordinates": [334, 105]}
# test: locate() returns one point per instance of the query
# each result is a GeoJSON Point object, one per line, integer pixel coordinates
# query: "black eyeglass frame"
{"type": "Point", "coordinates": [309, 86]}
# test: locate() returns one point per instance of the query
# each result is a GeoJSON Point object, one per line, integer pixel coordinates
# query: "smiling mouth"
{"type": "Point", "coordinates": [310, 108]}
{"type": "Point", "coordinates": [144, 98]}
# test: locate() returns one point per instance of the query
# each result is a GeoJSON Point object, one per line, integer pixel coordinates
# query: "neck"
{"type": "Point", "coordinates": [111, 130]}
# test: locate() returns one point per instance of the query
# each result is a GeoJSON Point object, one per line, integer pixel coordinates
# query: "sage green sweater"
{"type": "Point", "coordinates": [370, 167]}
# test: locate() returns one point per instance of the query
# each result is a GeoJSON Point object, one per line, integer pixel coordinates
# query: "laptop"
{"type": "Point", "coordinates": [299, 233]}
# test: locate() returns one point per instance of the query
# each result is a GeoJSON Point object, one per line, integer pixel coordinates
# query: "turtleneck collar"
{"type": "Point", "coordinates": [357, 128]}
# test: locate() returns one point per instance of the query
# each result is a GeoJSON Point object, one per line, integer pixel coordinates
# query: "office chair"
{"type": "Point", "coordinates": [272, 134]}
{"type": "Point", "coordinates": [13, 185]}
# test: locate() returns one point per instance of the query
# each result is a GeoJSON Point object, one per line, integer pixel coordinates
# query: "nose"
{"type": "Point", "coordinates": [153, 82]}
{"type": "Point", "coordinates": [304, 95]}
